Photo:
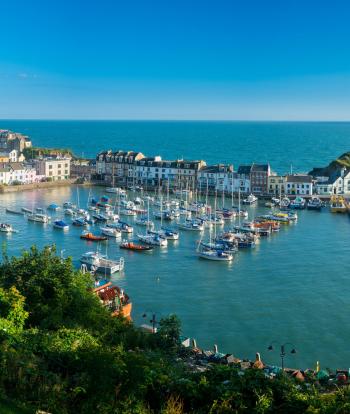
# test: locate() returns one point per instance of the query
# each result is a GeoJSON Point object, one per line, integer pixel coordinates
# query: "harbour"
{"type": "Point", "coordinates": [277, 289]}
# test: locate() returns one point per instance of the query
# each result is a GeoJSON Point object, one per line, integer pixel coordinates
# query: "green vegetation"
{"type": "Point", "coordinates": [62, 352]}
{"type": "Point", "coordinates": [35, 152]}
{"type": "Point", "coordinates": [333, 167]}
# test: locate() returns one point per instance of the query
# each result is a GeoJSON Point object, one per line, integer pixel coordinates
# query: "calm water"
{"type": "Point", "coordinates": [304, 145]}
{"type": "Point", "coordinates": [292, 287]}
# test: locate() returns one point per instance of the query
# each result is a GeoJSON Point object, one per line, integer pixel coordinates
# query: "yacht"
{"type": "Point", "coordinates": [314, 203]}
{"type": "Point", "coordinates": [251, 199]}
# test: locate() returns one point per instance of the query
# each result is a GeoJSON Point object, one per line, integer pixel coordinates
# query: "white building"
{"type": "Point", "coordinates": [11, 173]}
{"type": "Point", "coordinates": [54, 168]}
{"type": "Point", "coordinates": [214, 177]}
{"type": "Point", "coordinates": [338, 183]}
{"type": "Point", "coordinates": [298, 184]}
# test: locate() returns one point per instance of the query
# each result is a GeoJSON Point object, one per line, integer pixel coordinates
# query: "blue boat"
{"type": "Point", "coordinates": [60, 224]}
{"type": "Point", "coordinates": [53, 207]}
{"type": "Point", "coordinates": [80, 222]}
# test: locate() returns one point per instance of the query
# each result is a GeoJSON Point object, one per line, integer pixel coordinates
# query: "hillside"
{"type": "Point", "coordinates": [333, 167]}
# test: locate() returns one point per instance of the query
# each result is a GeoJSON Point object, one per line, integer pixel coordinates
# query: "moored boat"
{"type": "Point", "coordinates": [60, 224]}
{"type": "Point", "coordinates": [38, 217]}
{"type": "Point", "coordinates": [17, 212]}
{"type": "Point", "coordinates": [315, 203]}
{"type": "Point", "coordinates": [92, 237]}
{"type": "Point", "coordinates": [111, 232]}
{"type": "Point", "coordinates": [251, 199]}
{"type": "Point", "coordinates": [6, 228]}
{"type": "Point", "coordinates": [134, 246]}
{"type": "Point", "coordinates": [99, 263]}
{"type": "Point", "coordinates": [338, 204]}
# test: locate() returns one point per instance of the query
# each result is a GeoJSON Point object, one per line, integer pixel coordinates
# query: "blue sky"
{"type": "Point", "coordinates": [239, 60]}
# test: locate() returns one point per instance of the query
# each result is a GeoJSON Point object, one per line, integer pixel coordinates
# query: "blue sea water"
{"type": "Point", "coordinates": [293, 287]}
{"type": "Point", "coordinates": [300, 144]}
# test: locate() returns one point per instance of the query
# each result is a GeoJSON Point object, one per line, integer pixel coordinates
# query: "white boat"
{"type": "Point", "coordinates": [112, 216]}
{"type": "Point", "coordinates": [123, 227]}
{"type": "Point", "coordinates": [128, 212]}
{"type": "Point", "coordinates": [111, 232]}
{"type": "Point", "coordinates": [101, 264]}
{"type": "Point", "coordinates": [60, 224]}
{"type": "Point", "coordinates": [143, 221]}
{"type": "Point", "coordinates": [115, 190]}
{"type": "Point", "coordinates": [216, 255]}
{"type": "Point", "coordinates": [152, 240]}
{"type": "Point", "coordinates": [251, 199]}
{"type": "Point", "coordinates": [68, 204]}
{"type": "Point", "coordinates": [38, 217]}
{"type": "Point", "coordinates": [165, 234]}
{"type": "Point", "coordinates": [70, 212]}
{"type": "Point", "coordinates": [191, 225]}
{"type": "Point", "coordinates": [6, 228]}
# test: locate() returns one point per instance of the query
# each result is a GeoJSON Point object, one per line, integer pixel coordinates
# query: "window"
{"type": "Point", "coordinates": [66, 164]}
{"type": "Point", "coordinates": [50, 167]}
{"type": "Point", "coordinates": [50, 173]}
{"type": "Point", "coordinates": [59, 166]}
{"type": "Point", "coordinates": [66, 172]}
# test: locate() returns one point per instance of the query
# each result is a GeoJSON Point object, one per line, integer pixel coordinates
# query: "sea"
{"type": "Point", "coordinates": [293, 287]}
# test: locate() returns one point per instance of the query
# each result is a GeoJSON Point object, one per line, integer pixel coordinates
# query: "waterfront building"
{"type": "Point", "coordinates": [337, 183]}
{"type": "Point", "coordinates": [11, 173]}
{"type": "Point", "coordinates": [214, 177]}
{"type": "Point", "coordinates": [117, 167]}
{"type": "Point", "coordinates": [85, 169]}
{"type": "Point", "coordinates": [55, 169]}
{"type": "Point", "coordinates": [276, 184]}
{"type": "Point", "coordinates": [298, 184]}
{"type": "Point", "coordinates": [258, 175]}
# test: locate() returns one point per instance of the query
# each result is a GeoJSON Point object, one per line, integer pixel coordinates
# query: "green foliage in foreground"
{"type": "Point", "coordinates": [62, 352]}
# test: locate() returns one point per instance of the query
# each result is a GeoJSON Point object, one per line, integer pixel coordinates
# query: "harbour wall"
{"type": "Point", "coordinates": [25, 187]}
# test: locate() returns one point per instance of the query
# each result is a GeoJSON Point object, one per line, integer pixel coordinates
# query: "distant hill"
{"type": "Point", "coordinates": [333, 167]}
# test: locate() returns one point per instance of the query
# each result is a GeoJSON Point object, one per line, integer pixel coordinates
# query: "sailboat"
{"type": "Point", "coordinates": [152, 239]}
{"type": "Point", "coordinates": [166, 233]}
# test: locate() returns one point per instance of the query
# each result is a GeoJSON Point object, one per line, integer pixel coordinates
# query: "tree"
{"type": "Point", "coordinates": [169, 333]}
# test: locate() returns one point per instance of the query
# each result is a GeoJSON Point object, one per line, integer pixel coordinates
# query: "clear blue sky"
{"type": "Point", "coordinates": [285, 59]}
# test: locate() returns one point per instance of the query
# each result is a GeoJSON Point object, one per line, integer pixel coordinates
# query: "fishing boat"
{"type": "Point", "coordinates": [134, 246]}
{"type": "Point", "coordinates": [101, 264]}
{"type": "Point", "coordinates": [298, 203]}
{"type": "Point", "coordinates": [6, 228]}
{"type": "Point", "coordinates": [92, 237]}
{"type": "Point", "coordinates": [38, 217]}
{"type": "Point", "coordinates": [17, 212]}
{"type": "Point", "coordinates": [111, 232]}
{"type": "Point", "coordinates": [251, 199]}
{"type": "Point", "coordinates": [60, 224]}
{"type": "Point", "coordinates": [53, 207]}
{"type": "Point", "coordinates": [315, 203]}
{"type": "Point", "coordinates": [114, 299]}
{"type": "Point", "coordinates": [338, 204]}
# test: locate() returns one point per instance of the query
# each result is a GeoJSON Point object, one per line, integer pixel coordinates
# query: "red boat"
{"type": "Point", "coordinates": [93, 237]}
{"type": "Point", "coordinates": [135, 247]}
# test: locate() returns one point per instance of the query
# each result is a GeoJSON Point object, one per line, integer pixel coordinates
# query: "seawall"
{"type": "Point", "coordinates": [24, 187]}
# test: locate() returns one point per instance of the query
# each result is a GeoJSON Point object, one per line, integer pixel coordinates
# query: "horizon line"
{"type": "Point", "coordinates": [177, 120]}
